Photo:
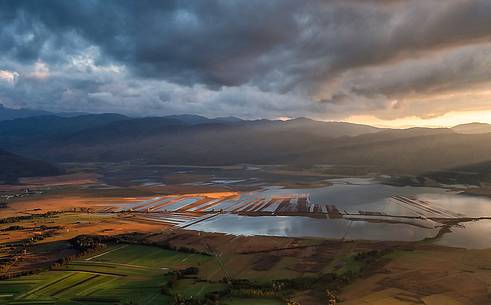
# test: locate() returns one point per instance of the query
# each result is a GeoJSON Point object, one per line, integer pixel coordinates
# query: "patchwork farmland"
{"type": "Point", "coordinates": [121, 274]}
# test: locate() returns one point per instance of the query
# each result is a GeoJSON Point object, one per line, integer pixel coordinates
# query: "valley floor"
{"type": "Point", "coordinates": [78, 240]}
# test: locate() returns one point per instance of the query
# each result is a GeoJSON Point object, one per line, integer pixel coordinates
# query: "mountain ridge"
{"type": "Point", "coordinates": [193, 139]}
{"type": "Point", "coordinates": [472, 128]}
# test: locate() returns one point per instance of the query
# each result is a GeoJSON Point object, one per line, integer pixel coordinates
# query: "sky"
{"type": "Point", "coordinates": [392, 63]}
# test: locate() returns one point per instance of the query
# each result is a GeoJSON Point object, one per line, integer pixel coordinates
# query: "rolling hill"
{"type": "Point", "coordinates": [13, 167]}
{"type": "Point", "coordinates": [472, 128]}
{"type": "Point", "coordinates": [198, 140]}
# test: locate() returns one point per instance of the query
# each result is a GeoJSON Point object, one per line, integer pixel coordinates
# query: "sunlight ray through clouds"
{"type": "Point", "coordinates": [9, 77]}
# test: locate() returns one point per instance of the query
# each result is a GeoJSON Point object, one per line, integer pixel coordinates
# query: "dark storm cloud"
{"type": "Point", "coordinates": [325, 55]}
{"type": "Point", "coordinates": [186, 42]}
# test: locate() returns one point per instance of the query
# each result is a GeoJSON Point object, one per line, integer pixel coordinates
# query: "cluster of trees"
{"type": "Point", "coordinates": [18, 249]}
{"type": "Point", "coordinates": [280, 289]}
{"type": "Point", "coordinates": [12, 228]}
{"type": "Point", "coordinates": [283, 289]}
{"type": "Point", "coordinates": [8, 276]}
{"type": "Point", "coordinates": [89, 241]}
{"type": "Point", "coordinates": [370, 260]}
{"type": "Point", "coordinates": [85, 243]}
{"type": "Point", "coordinates": [174, 277]}
{"type": "Point", "coordinates": [371, 255]}
{"type": "Point", "coordinates": [24, 244]}
{"type": "Point", "coordinates": [212, 298]}
{"type": "Point", "coordinates": [208, 299]}
{"type": "Point", "coordinates": [166, 245]}
{"type": "Point", "coordinates": [15, 219]}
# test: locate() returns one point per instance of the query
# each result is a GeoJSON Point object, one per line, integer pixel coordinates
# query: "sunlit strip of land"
{"type": "Point", "coordinates": [447, 120]}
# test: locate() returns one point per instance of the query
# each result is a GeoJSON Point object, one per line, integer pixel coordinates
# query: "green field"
{"type": "Point", "coordinates": [120, 274]}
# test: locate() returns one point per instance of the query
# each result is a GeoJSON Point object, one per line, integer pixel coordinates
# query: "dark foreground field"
{"type": "Point", "coordinates": [161, 269]}
{"type": "Point", "coordinates": [187, 267]}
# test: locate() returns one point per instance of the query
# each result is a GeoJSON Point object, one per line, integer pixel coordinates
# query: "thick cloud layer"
{"type": "Point", "coordinates": [326, 59]}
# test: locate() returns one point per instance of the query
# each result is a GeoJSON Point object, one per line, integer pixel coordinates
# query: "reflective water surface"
{"type": "Point", "coordinates": [355, 198]}
{"type": "Point", "coordinates": [295, 226]}
{"type": "Point", "coordinates": [473, 235]}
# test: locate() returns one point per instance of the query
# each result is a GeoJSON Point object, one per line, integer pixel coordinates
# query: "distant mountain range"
{"type": "Point", "coordinates": [11, 114]}
{"type": "Point", "coordinates": [191, 139]}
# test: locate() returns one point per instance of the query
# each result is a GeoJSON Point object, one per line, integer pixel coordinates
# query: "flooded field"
{"type": "Point", "coordinates": [351, 209]}
{"type": "Point", "coordinates": [356, 196]}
